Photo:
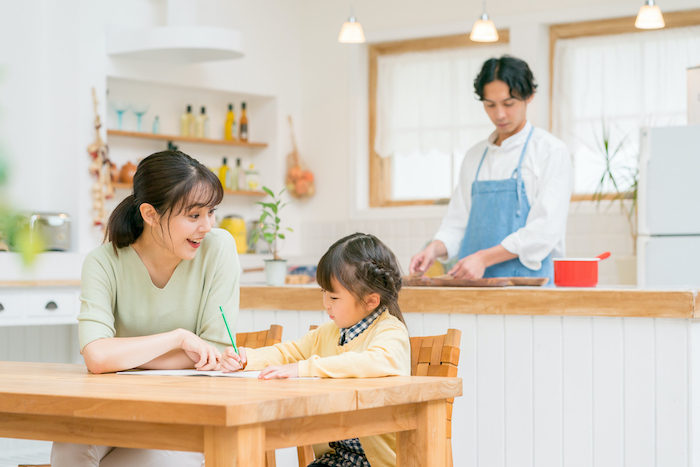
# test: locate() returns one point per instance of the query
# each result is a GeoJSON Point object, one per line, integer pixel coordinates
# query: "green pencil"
{"type": "Point", "coordinates": [229, 332]}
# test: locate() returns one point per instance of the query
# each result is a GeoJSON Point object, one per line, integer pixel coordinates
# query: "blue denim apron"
{"type": "Point", "coordinates": [499, 208]}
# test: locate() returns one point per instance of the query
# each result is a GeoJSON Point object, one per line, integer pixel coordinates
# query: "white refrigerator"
{"type": "Point", "coordinates": [668, 245]}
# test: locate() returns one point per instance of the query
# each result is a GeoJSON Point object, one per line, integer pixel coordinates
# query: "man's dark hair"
{"type": "Point", "coordinates": [512, 71]}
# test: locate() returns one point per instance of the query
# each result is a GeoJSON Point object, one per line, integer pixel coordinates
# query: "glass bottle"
{"type": "Point", "coordinates": [230, 125]}
{"type": "Point", "coordinates": [186, 122]}
{"type": "Point", "coordinates": [224, 175]}
{"type": "Point", "coordinates": [156, 125]}
{"type": "Point", "coordinates": [243, 135]}
{"type": "Point", "coordinates": [202, 124]}
{"type": "Point", "coordinates": [241, 175]}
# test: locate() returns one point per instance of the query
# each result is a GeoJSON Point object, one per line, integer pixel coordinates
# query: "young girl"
{"type": "Point", "coordinates": [366, 338]}
{"type": "Point", "coordinates": [151, 296]}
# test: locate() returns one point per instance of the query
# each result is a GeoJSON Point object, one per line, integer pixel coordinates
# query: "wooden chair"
{"type": "Point", "coordinates": [255, 340]}
{"type": "Point", "coordinates": [430, 356]}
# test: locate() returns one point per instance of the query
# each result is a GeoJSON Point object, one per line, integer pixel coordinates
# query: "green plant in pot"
{"type": "Point", "coordinates": [271, 232]}
{"type": "Point", "coordinates": [619, 184]}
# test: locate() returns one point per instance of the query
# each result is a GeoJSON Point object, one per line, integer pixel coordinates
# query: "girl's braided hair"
{"type": "Point", "coordinates": [363, 265]}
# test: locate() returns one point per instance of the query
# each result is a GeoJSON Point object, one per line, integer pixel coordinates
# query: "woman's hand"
{"type": "Point", "coordinates": [205, 356]}
{"type": "Point", "coordinates": [290, 370]}
{"type": "Point", "coordinates": [231, 361]}
{"type": "Point", "coordinates": [470, 267]}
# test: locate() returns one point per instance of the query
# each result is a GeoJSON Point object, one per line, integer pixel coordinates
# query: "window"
{"type": "Point", "coordinates": [424, 116]}
{"type": "Point", "coordinates": [609, 86]}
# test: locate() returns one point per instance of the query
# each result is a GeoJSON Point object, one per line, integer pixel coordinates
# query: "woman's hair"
{"type": "Point", "coordinates": [512, 71]}
{"type": "Point", "coordinates": [363, 265]}
{"type": "Point", "coordinates": [171, 182]}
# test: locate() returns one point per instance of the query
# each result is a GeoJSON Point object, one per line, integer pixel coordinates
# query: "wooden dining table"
{"type": "Point", "coordinates": [233, 421]}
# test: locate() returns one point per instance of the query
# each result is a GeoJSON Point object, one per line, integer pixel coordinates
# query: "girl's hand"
{"type": "Point", "coordinates": [231, 361]}
{"type": "Point", "coordinates": [205, 356]}
{"type": "Point", "coordinates": [290, 370]}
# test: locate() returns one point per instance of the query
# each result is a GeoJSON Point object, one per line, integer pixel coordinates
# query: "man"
{"type": "Point", "coordinates": [507, 216]}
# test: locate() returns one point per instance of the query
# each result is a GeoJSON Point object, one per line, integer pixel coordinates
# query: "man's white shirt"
{"type": "Point", "coordinates": [547, 172]}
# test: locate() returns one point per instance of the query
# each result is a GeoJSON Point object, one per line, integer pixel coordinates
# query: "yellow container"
{"type": "Point", "coordinates": [236, 226]}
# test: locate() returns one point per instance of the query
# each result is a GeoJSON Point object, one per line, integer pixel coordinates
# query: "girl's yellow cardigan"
{"type": "Point", "coordinates": [383, 349]}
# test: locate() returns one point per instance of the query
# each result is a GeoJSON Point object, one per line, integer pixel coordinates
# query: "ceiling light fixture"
{"type": "Point", "coordinates": [649, 17]}
{"type": "Point", "coordinates": [484, 30]}
{"type": "Point", "coordinates": [351, 32]}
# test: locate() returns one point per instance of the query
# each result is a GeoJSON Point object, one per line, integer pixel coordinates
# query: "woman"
{"type": "Point", "coordinates": [151, 295]}
{"type": "Point", "coordinates": [507, 216]}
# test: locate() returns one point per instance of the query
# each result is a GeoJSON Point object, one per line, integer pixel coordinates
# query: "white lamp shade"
{"type": "Point", "coordinates": [484, 31]}
{"type": "Point", "coordinates": [351, 32]}
{"type": "Point", "coordinates": [649, 17]}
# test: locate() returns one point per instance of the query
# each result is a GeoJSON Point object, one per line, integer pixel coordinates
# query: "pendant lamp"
{"type": "Point", "coordinates": [351, 32]}
{"type": "Point", "coordinates": [484, 30]}
{"type": "Point", "coordinates": [649, 17]}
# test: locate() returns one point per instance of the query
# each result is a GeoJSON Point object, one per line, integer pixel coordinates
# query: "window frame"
{"type": "Point", "coordinates": [606, 27]}
{"type": "Point", "coordinates": [380, 168]}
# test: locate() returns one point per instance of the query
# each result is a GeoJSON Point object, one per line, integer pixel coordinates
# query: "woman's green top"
{"type": "Point", "coordinates": [118, 298]}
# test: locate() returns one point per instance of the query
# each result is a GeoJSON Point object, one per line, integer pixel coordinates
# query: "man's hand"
{"type": "Point", "coordinates": [470, 267]}
{"type": "Point", "coordinates": [423, 260]}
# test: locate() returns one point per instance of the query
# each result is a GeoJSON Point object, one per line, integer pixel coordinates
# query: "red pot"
{"type": "Point", "coordinates": [577, 272]}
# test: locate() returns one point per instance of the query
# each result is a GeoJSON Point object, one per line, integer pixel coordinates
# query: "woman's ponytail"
{"type": "Point", "coordinates": [125, 224]}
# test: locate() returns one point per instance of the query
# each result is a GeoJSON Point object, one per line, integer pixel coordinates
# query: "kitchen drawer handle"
{"type": "Point", "coordinates": [51, 306]}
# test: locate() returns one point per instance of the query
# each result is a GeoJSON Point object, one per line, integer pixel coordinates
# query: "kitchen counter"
{"type": "Point", "coordinates": [525, 301]}
{"type": "Point", "coordinates": [499, 301]}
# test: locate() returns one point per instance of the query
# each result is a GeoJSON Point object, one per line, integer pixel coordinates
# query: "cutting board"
{"type": "Point", "coordinates": [441, 281]}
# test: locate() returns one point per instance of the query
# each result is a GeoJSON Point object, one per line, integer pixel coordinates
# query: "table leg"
{"type": "Point", "coordinates": [238, 446]}
{"type": "Point", "coordinates": [426, 445]}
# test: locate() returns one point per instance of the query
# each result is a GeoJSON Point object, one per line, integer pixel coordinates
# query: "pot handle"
{"type": "Point", "coordinates": [603, 256]}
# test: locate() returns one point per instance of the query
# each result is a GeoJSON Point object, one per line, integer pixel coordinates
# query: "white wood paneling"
{"type": "Point", "coordinates": [608, 392]}
{"type": "Point", "coordinates": [547, 392]}
{"type": "Point", "coordinates": [577, 390]}
{"type": "Point", "coordinates": [671, 382]}
{"type": "Point", "coordinates": [639, 399]}
{"type": "Point", "coordinates": [490, 390]}
{"type": "Point", "coordinates": [464, 414]}
{"type": "Point", "coordinates": [519, 416]}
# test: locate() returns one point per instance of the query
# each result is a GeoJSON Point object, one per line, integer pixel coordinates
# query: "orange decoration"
{"type": "Point", "coordinates": [300, 181]}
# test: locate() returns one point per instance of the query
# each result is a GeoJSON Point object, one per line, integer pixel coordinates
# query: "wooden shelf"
{"type": "Point", "coordinates": [184, 139]}
{"type": "Point", "coordinates": [129, 186]}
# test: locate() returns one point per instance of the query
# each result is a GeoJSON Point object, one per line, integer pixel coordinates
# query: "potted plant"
{"type": "Point", "coordinates": [270, 231]}
{"type": "Point", "coordinates": [619, 184]}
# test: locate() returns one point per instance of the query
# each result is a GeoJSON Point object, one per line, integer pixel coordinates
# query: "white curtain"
{"type": "Point", "coordinates": [428, 116]}
{"type": "Point", "coordinates": [627, 81]}
{"type": "Point", "coordinates": [425, 101]}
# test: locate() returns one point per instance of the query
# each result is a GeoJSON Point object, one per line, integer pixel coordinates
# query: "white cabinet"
{"type": "Point", "coordinates": [11, 303]}
{"type": "Point", "coordinates": [39, 306]}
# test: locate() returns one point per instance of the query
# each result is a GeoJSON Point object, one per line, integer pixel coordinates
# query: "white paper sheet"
{"type": "Point", "coordinates": [237, 374]}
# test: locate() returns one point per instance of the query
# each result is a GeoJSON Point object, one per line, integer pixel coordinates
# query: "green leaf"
{"type": "Point", "coordinates": [290, 229]}
{"type": "Point", "coordinates": [268, 191]}
{"type": "Point", "coordinates": [269, 238]}
{"type": "Point", "coordinates": [281, 236]}
{"type": "Point", "coordinates": [277, 220]}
